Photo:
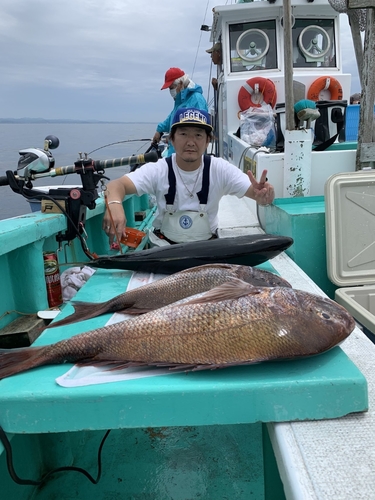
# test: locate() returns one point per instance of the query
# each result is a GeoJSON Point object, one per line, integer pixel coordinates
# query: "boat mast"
{"type": "Point", "coordinates": [297, 144]}
{"type": "Point", "coordinates": [288, 66]}
{"type": "Point", "coordinates": [366, 146]}
{"type": "Point", "coordinates": [355, 27]}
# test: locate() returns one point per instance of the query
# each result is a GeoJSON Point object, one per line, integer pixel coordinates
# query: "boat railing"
{"type": "Point", "coordinates": [24, 239]}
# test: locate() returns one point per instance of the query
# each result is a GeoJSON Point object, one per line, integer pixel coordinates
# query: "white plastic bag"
{"type": "Point", "coordinates": [258, 126]}
{"type": "Point", "coordinates": [73, 279]}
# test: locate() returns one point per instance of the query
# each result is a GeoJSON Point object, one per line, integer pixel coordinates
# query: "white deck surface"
{"type": "Point", "coordinates": [326, 459]}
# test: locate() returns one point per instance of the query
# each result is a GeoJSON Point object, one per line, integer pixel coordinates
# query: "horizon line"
{"type": "Point", "coordinates": [64, 120]}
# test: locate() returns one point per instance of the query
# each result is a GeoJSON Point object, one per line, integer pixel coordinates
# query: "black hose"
{"type": "Point", "coordinates": [30, 482]}
{"type": "Point", "coordinates": [63, 211]}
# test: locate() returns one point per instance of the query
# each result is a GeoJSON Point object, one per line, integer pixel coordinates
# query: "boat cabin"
{"type": "Point", "coordinates": [252, 75]}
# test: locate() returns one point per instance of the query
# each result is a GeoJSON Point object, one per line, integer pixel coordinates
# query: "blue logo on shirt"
{"type": "Point", "coordinates": [185, 222]}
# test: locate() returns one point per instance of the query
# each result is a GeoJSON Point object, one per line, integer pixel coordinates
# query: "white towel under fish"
{"type": "Point", "coordinates": [79, 376]}
{"type": "Point", "coordinates": [73, 279]}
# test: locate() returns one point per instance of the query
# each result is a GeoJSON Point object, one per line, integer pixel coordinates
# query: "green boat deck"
{"type": "Point", "coordinates": [324, 386]}
{"type": "Point", "coordinates": [303, 219]}
{"type": "Point", "coordinates": [178, 436]}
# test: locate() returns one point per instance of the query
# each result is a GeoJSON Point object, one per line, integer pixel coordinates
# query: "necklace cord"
{"type": "Point", "coordinates": [191, 193]}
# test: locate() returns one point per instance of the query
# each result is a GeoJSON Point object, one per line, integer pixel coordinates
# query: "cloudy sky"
{"type": "Point", "coordinates": [105, 59]}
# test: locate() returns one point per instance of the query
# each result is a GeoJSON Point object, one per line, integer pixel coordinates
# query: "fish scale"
{"type": "Point", "coordinates": [232, 324]}
{"type": "Point", "coordinates": [187, 331]}
{"type": "Point", "coordinates": [171, 289]}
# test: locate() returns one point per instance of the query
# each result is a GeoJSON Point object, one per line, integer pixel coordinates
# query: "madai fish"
{"type": "Point", "coordinates": [233, 324]}
{"type": "Point", "coordinates": [171, 289]}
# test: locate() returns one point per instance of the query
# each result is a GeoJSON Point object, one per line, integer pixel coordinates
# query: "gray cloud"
{"type": "Point", "coordinates": [104, 59]}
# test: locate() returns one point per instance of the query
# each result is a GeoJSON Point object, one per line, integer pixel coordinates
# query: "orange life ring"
{"type": "Point", "coordinates": [260, 85]}
{"type": "Point", "coordinates": [325, 83]}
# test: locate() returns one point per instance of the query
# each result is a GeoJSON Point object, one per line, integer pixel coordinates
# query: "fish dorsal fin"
{"type": "Point", "coordinates": [234, 288]}
{"type": "Point", "coordinates": [208, 266]}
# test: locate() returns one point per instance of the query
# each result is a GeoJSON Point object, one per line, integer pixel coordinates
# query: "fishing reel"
{"type": "Point", "coordinates": [37, 161]}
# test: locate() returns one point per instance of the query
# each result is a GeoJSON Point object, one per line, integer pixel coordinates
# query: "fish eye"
{"type": "Point", "coordinates": [322, 314]}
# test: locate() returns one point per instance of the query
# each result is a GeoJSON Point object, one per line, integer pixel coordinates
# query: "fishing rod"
{"type": "Point", "coordinates": [118, 142]}
{"type": "Point", "coordinates": [73, 202]}
{"type": "Point", "coordinates": [40, 164]}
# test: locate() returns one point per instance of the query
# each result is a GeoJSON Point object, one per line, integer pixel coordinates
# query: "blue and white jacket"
{"type": "Point", "coordinates": [191, 97]}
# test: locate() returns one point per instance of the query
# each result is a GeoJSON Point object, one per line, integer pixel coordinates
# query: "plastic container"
{"type": "Point", "coordinates": [350, 236]}
{"type": "Point", "coordinates": [352, 122]}
{"type": "Point", "coordinates": [132, 237]}
{"type": "Point", "coordinates": [360, 302]}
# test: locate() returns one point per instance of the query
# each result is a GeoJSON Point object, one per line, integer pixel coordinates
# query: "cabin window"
{"type": "Point", "coordinates": [253, 46]}
{"type": "Point", "coordinates": [314, 43]}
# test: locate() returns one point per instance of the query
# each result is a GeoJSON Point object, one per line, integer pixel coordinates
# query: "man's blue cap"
{"type": "Point", "coordinates": [192, 117]}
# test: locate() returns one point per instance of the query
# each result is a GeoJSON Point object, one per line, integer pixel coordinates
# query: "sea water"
{"type": "Point", "coordinates": [115, 140]}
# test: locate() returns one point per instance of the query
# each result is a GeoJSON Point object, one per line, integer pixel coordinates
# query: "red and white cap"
{"type": "Point", "coordinates": [171, 75]}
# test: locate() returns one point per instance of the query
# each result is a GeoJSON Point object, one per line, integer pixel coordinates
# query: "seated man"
{"type": "Point", "coordinates": [187, 187]}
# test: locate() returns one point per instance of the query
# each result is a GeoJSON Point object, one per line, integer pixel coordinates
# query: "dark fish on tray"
{"type": "Point", "coordinates": [171, 289]}
{"type": "Point", "coordinates": [249, 250]}
{"type": "Point", "coordinates": [233, 324]}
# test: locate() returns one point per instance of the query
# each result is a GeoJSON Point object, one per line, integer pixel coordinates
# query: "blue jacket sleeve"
{"type": "Point", "coordinates": [165, 125]}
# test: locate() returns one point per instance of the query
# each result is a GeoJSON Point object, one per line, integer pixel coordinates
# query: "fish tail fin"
{"type": "Point", "coordinates": [14, 361]}
{"type": "Point", "coordinates": [82, 311]}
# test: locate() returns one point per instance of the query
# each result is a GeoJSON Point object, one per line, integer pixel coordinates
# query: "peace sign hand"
{"type": "Point", "coordinates": [262, 192]}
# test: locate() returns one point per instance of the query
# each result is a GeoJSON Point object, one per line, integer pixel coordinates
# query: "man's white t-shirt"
{"type": "Point", "coordinates": [225, 178]}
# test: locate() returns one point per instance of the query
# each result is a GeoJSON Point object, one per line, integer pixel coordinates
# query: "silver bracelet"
{"type": "Point", "coordinates": [115, 201]}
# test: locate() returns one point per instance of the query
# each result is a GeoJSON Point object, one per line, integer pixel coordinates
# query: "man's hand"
{"type": "Point", "coordinates": [156, 138]}
{"type": "Point", "coordinates": [262, 192]}
{"type": "Point", "coordinates": [117, 227]}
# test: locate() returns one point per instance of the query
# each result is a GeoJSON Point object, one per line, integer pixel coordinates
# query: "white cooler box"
{"type": "Point", "coordinates": [350, 236]}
